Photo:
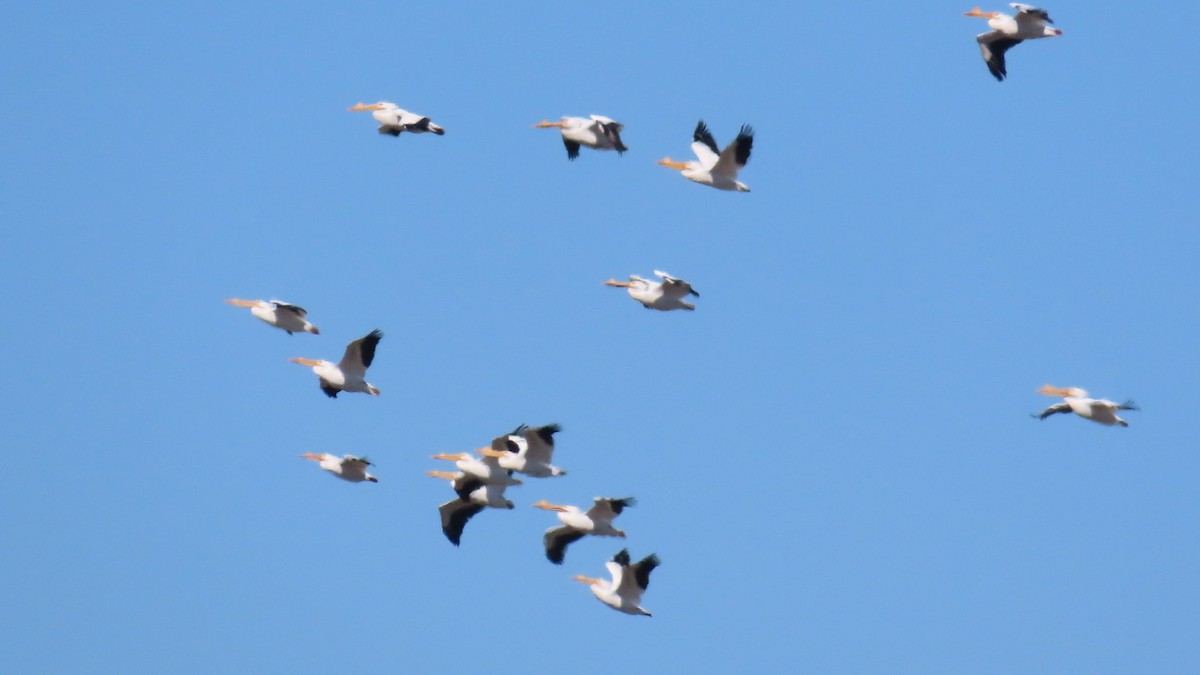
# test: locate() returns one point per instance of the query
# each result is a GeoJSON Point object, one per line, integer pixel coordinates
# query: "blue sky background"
{"type": "Point", "coordinates": [832, 456]}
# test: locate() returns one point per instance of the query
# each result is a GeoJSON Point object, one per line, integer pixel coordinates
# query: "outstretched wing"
{"type": "Point", "coordinates": [289, 307]}
{"type": "Point", "coordinates": [993, 46]}
{"type": "Point", "coordinates": [455, 514]}
{"type": "Point", "coordinates": [540, 442]}
{"type": "Point", "coordinates": [360, 353]}
{"type": "Point", "coordinates": [705, 146]}
{"type": "Point", "coordinates": [572, 148]}
{"type": "Point", "coordinates": [736, 154]}
{"type": "Point", "coordinates": [1057, 408]}
{"type": "Point", "coordinates": [557, 539]}
{"type": "Point", "coordinates": [607, 508]}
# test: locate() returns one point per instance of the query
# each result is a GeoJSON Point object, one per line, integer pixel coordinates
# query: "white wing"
{"type": "Point", "coordinates": [708, 158]}
{"type": "Point", "coordinates": [536, 450]}
{"type": "Point", "coordinates": [736, 154]}
{"type": "Point", "coordinates": [360, 353]}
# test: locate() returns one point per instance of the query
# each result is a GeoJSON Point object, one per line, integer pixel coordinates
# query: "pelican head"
{"type": "Point", "coordinates": [1073, 392]}
{"type": "Point", "coordinates": [590, 581]}
{"type": "Point", "coordinates": [363, 107]}
{"type": "Point", "coordinates": [444, 475]}
{"type": "Point", "coordinates": [311, 363]}
{"type": "Point", "coordinates": [455, 457]}
{"type": "Point", "coordinates": [496, 454]}
{"type": "Point", "coordinates": [672, 164]}
{"type": "Point", "coordinates": [561, 124]}
{"type": "Point", "coordinates": [314, 456]}
{"type": "Point", "coordinates": [982, 15]}
{"type": "Point", "coordinates": [547, 506]}
{"type": "Point", "coordinates": [618, 284]}
{"type": "Point", "coordinates": [236, 302]}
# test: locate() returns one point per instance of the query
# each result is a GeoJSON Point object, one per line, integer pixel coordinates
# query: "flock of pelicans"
{"type": "Point", "coordinates": [480, 482]}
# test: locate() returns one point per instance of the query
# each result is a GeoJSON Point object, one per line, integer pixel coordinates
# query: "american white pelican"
{"type": "Point", "coordinates": [716, 168]}
{"type": "Point", "coordinates": [1010, 31]}
{"type": "Point", "coordinates": [473, 496]}
{"type": "Point", "coordinates": [628, 583]}
{"type": "Point", "coordinates": [577, 524]}
{"type": "Point", "coordinates": [1076, 400]}
{"type": "Point", "coordinates": [346, 467]}
{"type": "Point", "coordinates": [598, 133]}
{"type": "Point", "coordinates": [527, 451]}
{"type": "Point", "coordinates": [394, 121]}
{"type": "Point", "coordinates": [348, 374]}
{"type": "Point", "coordinates": [282, 315]}
{"type": "Point", "coordinates": [486, 469]}
{"type": "Point", "coordinates": [665, 295]}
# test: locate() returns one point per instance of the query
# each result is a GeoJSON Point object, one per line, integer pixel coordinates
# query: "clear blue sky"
{"type": "Point", "coordinates": [833, 455]}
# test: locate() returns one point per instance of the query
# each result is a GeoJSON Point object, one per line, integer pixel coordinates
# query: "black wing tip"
{"type": "Point", "coordinates": [374, 335]}
{"type": "Point", "coordinates": [621, 504]}
{"type": "Point", "coordinates": [746, 131]}
{"type": "Point", "coordinates": [1130, 404]}
{"type": "Point", "coordinates": [622, 557]}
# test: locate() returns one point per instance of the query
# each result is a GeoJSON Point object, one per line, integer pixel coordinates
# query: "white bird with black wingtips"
{"type": "Point", "coordinates": [527, 450]}
{"type": "Point", "coordinates": [1076, 400]}
{"type": "Point", "coordinates": [662, 295]}
{"type": "Point", "coordinates": [283, 315]}
{"type": "Point", "coordinates": [624, 592]}
{"type": "Point", "coordinates": [346, 467]}
{"type": "Point", "coordinates": [1029, 23]}
{"type": "Point", "coordinates": [350, 373]}
{"type": "Point", "coordinates": [715, 167]}
{"type": "Point", "coordinates": [597, 133]}
{"type": "Point", "coordinates": [577, 524]}
{"type": "Point", "coordinates": [394, 121]}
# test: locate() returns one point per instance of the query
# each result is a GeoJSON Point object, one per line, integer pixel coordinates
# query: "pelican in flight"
{"type": "Point", "coordinates": [348, 374]}
{"type": "Point", "coordinates": [598, 133]}
{"type": "Point", "coordinates": [394, 121]}
{"type": "Point", "coordinates": [577, 524]}
{"type": "Point", "coordinates": [473, 496]}
{"type": "Point", "coordinates": [346, 467]}
{"type": "Point", "coordinates": [1010, 31]}
{"type": "Point", "coordinates": [282, 315]}
{"type": "Point", "coordinates": [486, 469]}
{"type": "Point", "coordinates": [628, 583]}
{"type": "Point", "coordinates": [663, 295]}
{"type": "Point", "coordinates": [1075, 400]}
{"type": "Point", "coordinates": [527, 450]}
{"type": "Point", "coordinates": [716, 168]}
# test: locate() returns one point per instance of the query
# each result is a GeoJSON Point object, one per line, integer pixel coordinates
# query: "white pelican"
{"type": "Point", "coordinates": [716, 168]}
{"type": "Point", "coordinates": [577, 524]}
{"type": "Point", "coordinates": [598, 133]}
{"type": "Point", "coordinates": [486, 469]}
{"type": "Point", "coordinates": [527, 451]}
{"type": "Point", "coordinates": [348, 374]}
{"type": "Point", "coordinates": [346, 467]}
{"type": "Point", "coordinates": [473, 496]}
{"type": "Point", "coordinates": [628, 583]}
{"type": "Point", "coordinates": [665, 295]}
{"type": "Point", "coordinates": [282, 315]}
{"type": "Point", "coordinates": [1076, 400]}
{"type": "Point", "coordinates": [394, 121]}
{"type": "Point", "coordinates": [1008, 32]}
